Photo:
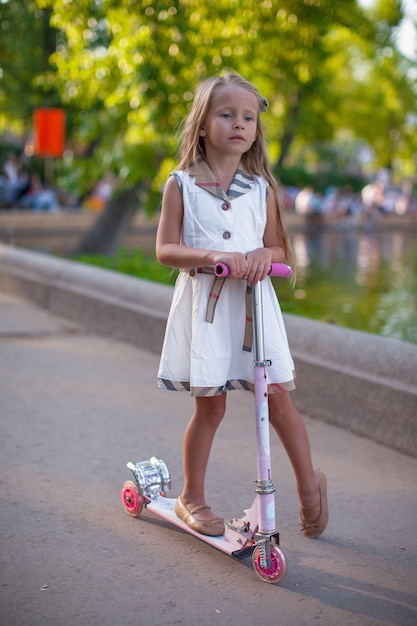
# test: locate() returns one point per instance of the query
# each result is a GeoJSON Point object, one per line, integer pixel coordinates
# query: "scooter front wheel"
{"type": "Point", "coordinates": [278, 568]}
{"type": "Point", "coordinates": [132, 501]}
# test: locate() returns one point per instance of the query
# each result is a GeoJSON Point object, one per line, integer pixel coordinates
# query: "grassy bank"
{"type": "Point", "coordinates": [133, 262]}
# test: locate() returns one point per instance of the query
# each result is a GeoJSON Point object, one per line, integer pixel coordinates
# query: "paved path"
{"type": "Point", "coordinates": [76, 407]}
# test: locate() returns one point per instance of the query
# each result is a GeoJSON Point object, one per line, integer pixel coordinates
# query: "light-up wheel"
{"type": "Point", "coordinates": [276, 571]}
{"type": "Point", "coordinates": [132, 501]}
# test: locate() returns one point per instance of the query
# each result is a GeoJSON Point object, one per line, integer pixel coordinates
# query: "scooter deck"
{"type": "Point", "coordinates": [237, 543]}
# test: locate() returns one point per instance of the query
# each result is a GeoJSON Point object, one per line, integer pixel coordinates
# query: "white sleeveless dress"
{"type": "Point", "coordinates": [203, 357]}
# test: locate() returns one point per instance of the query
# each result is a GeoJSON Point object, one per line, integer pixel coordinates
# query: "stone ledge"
{"type": "Point", "coordinates": [361, 382]}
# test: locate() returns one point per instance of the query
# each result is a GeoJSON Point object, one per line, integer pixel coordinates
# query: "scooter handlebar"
{"type": "Point", "coordinates": [277, 269]}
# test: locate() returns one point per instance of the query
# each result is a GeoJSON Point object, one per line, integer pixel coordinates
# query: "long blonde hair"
{"type": "Point", "coordinates": [255, 160]}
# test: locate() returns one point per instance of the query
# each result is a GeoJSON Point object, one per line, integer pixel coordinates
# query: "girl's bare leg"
{"type": "Point", "coordinates": [291, 429]}
{"type": "Point", "coordinates": [198, 439]}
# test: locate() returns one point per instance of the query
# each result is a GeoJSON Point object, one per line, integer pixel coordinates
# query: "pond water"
{"type": "Point", "coordinates": [361, 280]}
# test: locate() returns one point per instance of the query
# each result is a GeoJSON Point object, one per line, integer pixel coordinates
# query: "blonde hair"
{"type": "Point", "coordinates": [255, 160]}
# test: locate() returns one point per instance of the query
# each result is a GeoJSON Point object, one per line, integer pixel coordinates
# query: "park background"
{"type": "Point", "coordinates": [340, 79]}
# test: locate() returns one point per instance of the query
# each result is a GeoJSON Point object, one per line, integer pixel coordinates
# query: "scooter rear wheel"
{"type": "Point", "coordinates": [132, 501]}
{"type": "Point", "coordinates": [278, 568]}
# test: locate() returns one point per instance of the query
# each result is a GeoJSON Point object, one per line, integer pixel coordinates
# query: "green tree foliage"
{"type": "Point", "coordinates": [375, 90]}
{"type": "Point", "coordinates": [126, 71]}
{"type": "Point", "coordinates": [26, 43]}
{"type": "Point", "coordinates": [135, 63]}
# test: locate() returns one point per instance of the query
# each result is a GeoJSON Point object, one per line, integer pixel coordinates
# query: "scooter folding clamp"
{"type": "Point", "coordinates": [264, 363]}
{"type": "Point", "coordinates": [264, 487]}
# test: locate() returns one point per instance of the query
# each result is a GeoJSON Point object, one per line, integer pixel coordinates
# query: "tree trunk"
{"type": "Point", "coordinates": [290, 127]}
{"type": "Point", "coordinates": [106, 234]}
{"type": "Point", "coordinates": [285, 147]}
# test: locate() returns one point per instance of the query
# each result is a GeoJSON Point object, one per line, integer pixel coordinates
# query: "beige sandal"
{"type": "Point", "coordinates": [213, 527]}
{"type": "Point", "coordinates": [316, 528]}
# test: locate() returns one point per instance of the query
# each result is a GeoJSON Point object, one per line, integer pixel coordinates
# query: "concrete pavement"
{"type": "Point", "coordinates": [75, 407]}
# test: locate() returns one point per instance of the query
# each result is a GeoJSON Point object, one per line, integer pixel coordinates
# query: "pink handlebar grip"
{"type": "Point", "coordinates": [221, 269]}
{"type": "Point", "coordinates": [280, 269]}
{"type": "Point", "coordinates": [277, 269]}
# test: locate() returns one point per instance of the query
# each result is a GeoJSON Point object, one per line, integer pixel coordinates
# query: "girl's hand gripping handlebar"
{"type": "Point", "coordinates": [277, 269]}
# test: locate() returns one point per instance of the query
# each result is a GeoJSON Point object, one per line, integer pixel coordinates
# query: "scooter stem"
{"type": "Point", "coordinates": [265, 488]}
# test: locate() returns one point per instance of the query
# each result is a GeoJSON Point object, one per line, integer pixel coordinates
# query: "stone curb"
{"type": "Point", "coordinates": [361, 382]}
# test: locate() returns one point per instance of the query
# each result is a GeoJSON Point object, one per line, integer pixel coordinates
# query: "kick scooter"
{"type": "Point", "coordinates": [255, 534]}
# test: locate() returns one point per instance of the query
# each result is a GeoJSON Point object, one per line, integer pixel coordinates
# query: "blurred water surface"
{"type": "Point", "coordinates": [361, 280]}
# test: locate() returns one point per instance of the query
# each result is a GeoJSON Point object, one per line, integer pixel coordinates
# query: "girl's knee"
{"type": "Point", "coordinates": [211, 409]}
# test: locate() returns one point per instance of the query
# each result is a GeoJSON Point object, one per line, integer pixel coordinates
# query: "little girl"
{"type": "Point", "coordinates": [221, 206]}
